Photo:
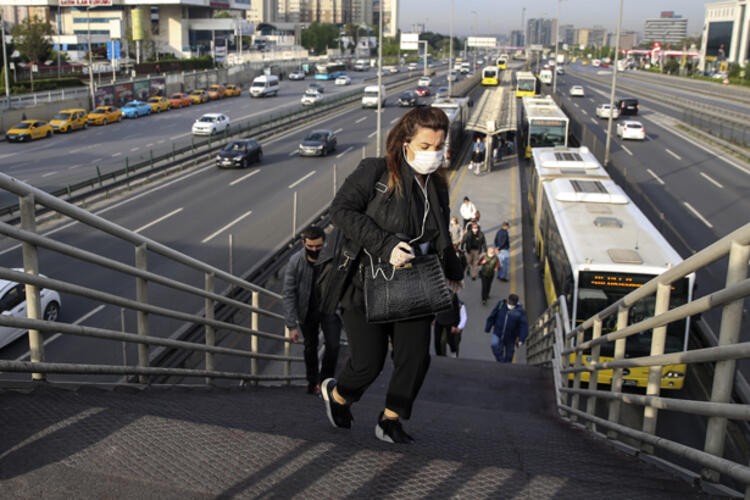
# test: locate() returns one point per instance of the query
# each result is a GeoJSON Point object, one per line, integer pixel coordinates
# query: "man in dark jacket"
{"type": "Point", "coordinates": [509, 327]}
{"type": "Point", "coordinates": [302, 310]}
{"type": "Point", "coordinates": [502, 242]}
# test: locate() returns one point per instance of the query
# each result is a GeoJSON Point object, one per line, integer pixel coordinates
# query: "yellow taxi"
{"type": "Point", "coordinates": [28, 130]}
{"type": "Point", "coordinates": [179, 100]}
{"type": "Point", "coordinates": [158, 103]}
{"type": "Point", "coordinates": [198, 96]}
{"type": "Point", "coordinates": [104, 115]}
{"type": "Point", "coordinates": [232, 90]}
{"type": "Point", "coordinates": [216, 91]}
{"type": "Point", "coordinates": [69, 119]}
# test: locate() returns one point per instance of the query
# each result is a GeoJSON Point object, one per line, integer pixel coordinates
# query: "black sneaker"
{"type": "Point", "coordinates": [391, 431]}
{"type": "Point", "coordinates": [339, 415]}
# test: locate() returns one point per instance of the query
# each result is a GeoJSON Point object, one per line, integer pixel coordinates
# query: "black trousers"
{"type": "Point", "coordinates": [443, 337]}
{"type": "Point", "coordinates": [331, 326]}
{"type": "Point", "coordinates": [486, 285]}
{"type": "Point", "coordinates": [368, 346]}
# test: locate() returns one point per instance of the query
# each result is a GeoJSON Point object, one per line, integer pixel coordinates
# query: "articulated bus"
{"type": "Point", "coordinates": [561, 162]}
{"type": "Point", "coordinates": [597, 247]}
{"type": "Point", "coordinates": [490, 76]}
{"type": "Point", "coordinates": [329, 71]}
{"type": "Point", "coordinates": [457, 111]}
{"type": "Point", "coordinates": [543, 124]}
{"type": "Point", "coordinates": [526, 84]}
{"type": "Point", "coordinates": [502, 61]}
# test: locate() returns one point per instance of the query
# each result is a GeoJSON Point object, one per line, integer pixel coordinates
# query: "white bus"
{"type": "Point", "coordinates": [543, 124]}
{"type": "Point", "coordinates": [597, 247]}
{"type": "Point", "coordinates": [457, 111]}
{"type": "Point", "coordinates": [526, 84]}
{"type": "Point", "coordinates": [559, 162]}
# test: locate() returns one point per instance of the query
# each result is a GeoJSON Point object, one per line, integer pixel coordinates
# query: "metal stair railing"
{"type": "Point", "coordinates": [719, 409]}
{"type": "Point", "coordinates": [234, 297]}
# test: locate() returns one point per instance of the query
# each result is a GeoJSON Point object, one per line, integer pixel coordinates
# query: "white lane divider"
{"type": "Point", "coordinates": [653, 174]}
{"type": "Point", "coordinates": [7, 155]}
{"type": "Point", "coordinates": [358, 121]}
{"type": "Point", "coordinates": [338, 130]}
{"type": "Point", "coordinates": [673, 153]}
{"type": "Point", "coordinates": [96, 160]}
{"type": "Point", "coordinates": [344, 152]}
{"type": "Point", "coordinates": [712, 181]}
{"type": "Point", "coordinates": [697, 214]}
{"type": "Point", "coordinates": [235, 221]}
{"type": "Point", "coordinates": [49, 174]}
{"type": "Point", "coordinates": [371, 135]}
{"type": "Point", "coordinates": [150, 144]}
{"type": "Point", "coordinates": [135, 148]}
{"type": "Point", "coordinates": [294, 152]}
{"type": "Point", "coordinates": [584, 112]}
{"type": "Point", "coordinates": [626, 150]}
{"type": "Point", "coordinates": [116, 154]}
{"type": "Point", "coordinates": [246, 176]}
{"type": "Point", "coordinates": [156, 221]}
{"type": "Point", "coordinates": [395, 120]}
{"type": "Point", "coordinates": [58, 335]}
{"type": "Point", "coordinates": [594, 120]}
{"type": "Point", "coordinates": [73, 167]}
{"type": "Point", "coordinates": [300, 180]}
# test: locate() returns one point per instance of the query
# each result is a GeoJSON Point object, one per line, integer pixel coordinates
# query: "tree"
{"type": "Point", "coordinates": [318, 37]}
{"type": "Point", "coordinates": [352, 31]}
{"type": "Point", "coordinates": [31, 38]}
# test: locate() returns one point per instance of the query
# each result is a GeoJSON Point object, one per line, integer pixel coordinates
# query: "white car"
{"type": "Point", "coordinates": [424, 81]}
{"type": "Point", "coordinates": [13, 303]}
{"type": "Point", "coordinates": [210, 124]}
{"type": "Point", "coordinates": [343, 80]}
{"type": "Point", "coordinates": [604, 110]}
{"type": "Point", "coordinates": [631, 130]}
{"type": "Point", "coordinates": [297, 75]}
{"type": "Point", "coordinates": [576, 91]}
{"type": "Point", "coordinates": [311, 97]}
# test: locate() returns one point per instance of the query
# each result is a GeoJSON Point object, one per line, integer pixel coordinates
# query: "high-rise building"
{"type": "Point", "coordinates": [516, 38]}
{"type": "Point", "coordinates": [598, 36]}
{"type": "Point", "coordinates": [294, 11]}
{"type": "Point", "coordinates": [567, 34]}
{"type": "Point", "coordinates": [390, 16]}
{"type": "Point", "coordinates": [628, 40]}
{"type": "Point", "coordinates": [540, 31]}
{"type": "Point", "coordinates": [362, 11]}
{"type": "Point", "coordinates": [669, 29]}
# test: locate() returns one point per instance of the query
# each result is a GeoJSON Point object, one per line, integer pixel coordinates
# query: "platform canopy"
{"type": "Point", "coordinates": [495, 112]}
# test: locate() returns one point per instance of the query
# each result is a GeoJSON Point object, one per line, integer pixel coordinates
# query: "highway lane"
{"type": "Point", "coordinates": [70, 158]}
{"type": "Point", "coordinates": [194, 213]}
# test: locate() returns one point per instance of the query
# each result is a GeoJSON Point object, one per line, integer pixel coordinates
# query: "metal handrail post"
{"type": "Point", "coordinates": [658, 342]}
{"type": "Point", "coordinates": [287, 352]}
{"type": "Point", "coordinates": [141, 294]}
{"type": "Point", "coordinates": [210, 304]}
{"type": "Point", "coordinates": [254, 317]}
{"type": "Point", "coordinates": [729, 333]}
{"type": "Point", "coordinates": [31, 266]}
{"type": "Point", "coordinates": [616, 386]}
{"type": "Point", "coordinates": [594, 376]}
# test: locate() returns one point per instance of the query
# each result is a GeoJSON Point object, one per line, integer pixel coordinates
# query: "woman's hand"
{"type": "Point", "coordinates": [401, 254]}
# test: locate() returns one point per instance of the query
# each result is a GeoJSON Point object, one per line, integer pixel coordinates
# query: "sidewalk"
{"type": "Point", "coordinates": [497, 196]}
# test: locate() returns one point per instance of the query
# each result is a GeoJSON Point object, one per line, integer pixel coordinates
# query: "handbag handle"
{"type": "Point", "coordinates": [374, 272]}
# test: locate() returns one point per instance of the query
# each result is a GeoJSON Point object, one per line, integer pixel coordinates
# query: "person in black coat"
{"type": "Point", "coordinates": [411, 218]}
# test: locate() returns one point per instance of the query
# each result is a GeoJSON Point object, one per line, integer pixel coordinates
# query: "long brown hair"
{"type": "Point", "coordinates": [403, 132]}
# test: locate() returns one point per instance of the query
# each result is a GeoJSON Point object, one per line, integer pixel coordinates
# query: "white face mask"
{"type": "Point", "coordinates": [511, 306]}
{"type": "Point", "coordinates": [425, 162]}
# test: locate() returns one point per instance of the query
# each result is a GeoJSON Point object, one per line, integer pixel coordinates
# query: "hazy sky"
{"type": "Point", "coordinates": [484, 17]}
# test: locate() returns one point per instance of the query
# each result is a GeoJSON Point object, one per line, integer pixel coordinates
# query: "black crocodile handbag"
{"type": "Point", "coordinates": [415, 290]}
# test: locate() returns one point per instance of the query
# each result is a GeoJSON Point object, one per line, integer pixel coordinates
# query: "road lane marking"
{"type": "Point", "coordinates": [116, 154]}
{"type": "Point", "coordinates": [294, 152]}
{"type": "Point", "coordinates": [653, 174]}
{"type": "Point", "coordinates": [237, 181]}
{"type": "Point", "coordinates": [235, 221]}
{"type": "Point", "coordinates": [48, 174]}
{"type": "Point", "coordinates": [346, 151]}
{"type": "Point", "coordinates": [576, 105]}
{"type": "Point", "coordinates": [156, 221]}
{"type": "Point", "coordinates": [358, 121]}
{"type": "Point", "coordinates": [594, 120]}
{"type": "Point", "coordinates": [338, 131]}
{"type": "Point", "coordinates": [584, 112]}
{"type": "Point", "coordinates": [162, 141]}
{"type": "Point", "coordinates": [395, 120]}
{"type": "Point", "coordinates": [97, 160]}
{"type": "Point", "coordinates": [135, 148]}
{"type": "Point", "coordinates": [626, 150]}
{"type": "Point", "coordinates": [697, 214]}
{"type": "Point", "coordinates": [8, 155]}
{"type": "Point", "coordinates": [672, 153]}
{"type": "Point", "coordinates": [371, 135]}
{"type": "Point", "coordinates": [58, 335]}
{"type": "Point", "coordinates": [149, 144]}
{"type": "Point", "coordinates": [72, 167]}
{"type": "Point", "coordinates": [298, 181]}
{"type": "Point", "coordinates": [712, 181]}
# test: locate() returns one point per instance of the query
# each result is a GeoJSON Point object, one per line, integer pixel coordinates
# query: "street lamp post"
{"type": "Point", "coordinates": [612, 90]}
{"type": "Point", "coordinates": [91, 67]}
{"type": "Point", "coordinates": [380, 82]}
{"type": "Point", "coordinates": [450, 56]}
{"type": "Point", "coordinates": [557, 44]}
{"type": "Point", "coordinates": [5, 62]}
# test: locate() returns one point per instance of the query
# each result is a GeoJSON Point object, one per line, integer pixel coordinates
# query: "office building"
{"type": "Point", "coordinates": [668, 29]}
{"type": "Point", "coordinates": [726, 35]}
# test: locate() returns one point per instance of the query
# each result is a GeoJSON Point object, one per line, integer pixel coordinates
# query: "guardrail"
{"type": "Point", "coordinates": [26, 100]}
{"type": "Point", "coordinates": [551, 343]}
{"type": "Point", "coordinates": [181, 152]}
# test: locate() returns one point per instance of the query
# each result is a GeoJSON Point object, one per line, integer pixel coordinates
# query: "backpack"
{"type": "Point", "coordinates": [493, 314]}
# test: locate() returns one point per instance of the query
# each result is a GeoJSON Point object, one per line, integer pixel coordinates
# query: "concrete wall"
{"type": "Point", "coordinates": [45, 111]}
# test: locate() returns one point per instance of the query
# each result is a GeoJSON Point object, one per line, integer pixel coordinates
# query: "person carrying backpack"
{"type": "Point", "coordinates": [509, 328]}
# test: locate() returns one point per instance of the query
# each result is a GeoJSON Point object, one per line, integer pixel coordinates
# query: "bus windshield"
{"type": "Point", "coordinates": [598, 290]}
{"type": "Point", "coordinates": [547, 133]}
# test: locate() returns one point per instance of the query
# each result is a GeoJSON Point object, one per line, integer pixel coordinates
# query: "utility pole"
{"type": "Point", "coordinates": [5, 61]}
{"type": "Point", "coordinates": [380, 81]}
{"type": "Point", "coordinates": [557, 44]}
{"type": "Point", "coordinates": [91, 66]}
{"type": "Point", "coordinates": [450, 56]}
{"type": "Point", "coordinates": [612, 90]}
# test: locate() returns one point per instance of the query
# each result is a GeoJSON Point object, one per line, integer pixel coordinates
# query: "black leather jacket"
{"type": "Point", "coordinates": [375, 228]}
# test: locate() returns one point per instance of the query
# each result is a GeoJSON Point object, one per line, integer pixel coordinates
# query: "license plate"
{"type": "Point", "coordinates": [629, 382]}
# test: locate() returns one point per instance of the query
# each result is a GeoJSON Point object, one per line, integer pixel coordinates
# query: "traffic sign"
{"type": "Point", "coordinates": [113, 55]}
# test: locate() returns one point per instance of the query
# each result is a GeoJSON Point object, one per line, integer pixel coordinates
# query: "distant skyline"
{"type": "Point", "coordinates": [494, 17]}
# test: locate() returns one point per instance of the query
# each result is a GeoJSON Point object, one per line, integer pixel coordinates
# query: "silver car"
{"type": "Point", "coordinates": [13, 303]}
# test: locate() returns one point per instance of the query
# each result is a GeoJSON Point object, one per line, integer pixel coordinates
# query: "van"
{"type": "Point", "coordinates": [264, 85]}
{"type": "Point", "coordinates": [545, 76]}
{"type": "Point", "coordinates": [371, 95]}
{"type": "Point", "coordinates": [628, 106]}
{"type": "Point", "coordinates": [361, 65]}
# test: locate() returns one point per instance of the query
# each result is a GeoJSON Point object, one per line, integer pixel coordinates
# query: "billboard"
{"type": "Point", "coordinates": [409, 41]}
{"type": "Point", "coordinates": [85, 3]}
{"type": "Point", "coordinates": [482, 41]}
